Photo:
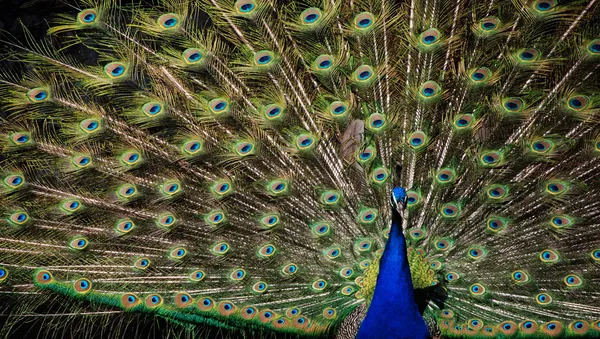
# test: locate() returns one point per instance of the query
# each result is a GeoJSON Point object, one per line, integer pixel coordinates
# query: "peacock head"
{"type": "Point", "coordinates": [399, 198]}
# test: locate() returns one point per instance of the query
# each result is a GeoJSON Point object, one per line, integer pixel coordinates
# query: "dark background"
{"type": "Point", "coordinates": [33, 14]}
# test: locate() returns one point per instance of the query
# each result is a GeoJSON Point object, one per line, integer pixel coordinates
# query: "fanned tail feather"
{"type": "Point", "coordinates": [234, 174]}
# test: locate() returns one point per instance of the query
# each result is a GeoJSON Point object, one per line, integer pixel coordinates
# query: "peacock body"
{"type": "Point", "coordinates": [244, 172]}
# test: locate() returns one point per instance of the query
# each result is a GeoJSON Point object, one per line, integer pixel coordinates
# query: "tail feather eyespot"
{"type": "Point", "coordinates": [346, 272]}
{"type": "Point", "coordinates": [476, 252]}
{"type": "Point", "coordinates": [18, 218]}
{"type": "Point", "coordinates": [82, 286]}
{"type": "Point", "coordinates": [491, 158]}
{"type": "Point", "coordinates": [593, 47]}
{"type": "Point", "coordinates": [429, 90]}
{"type": "Point", "coordinates": [488, 25]}
{"type": "Point", "coordinates": [197, 275]}
{"type": "Point", "coordinates": [528, 55]}
{"type": "Point", "coordinates": [178, 253]}
{"type": "Point", "coordinates": [142, 263]}
{"type": "Point", "coordinates": [126, 191]}
{"type": "Point", "coordinates": [319, 285]}
{"type": "Point", "coordinates": [549, 256]}
{"type": "Point", "coordinates": [116, 70]}
{"type": "Point", "coordinates": [169, 21]}
{"type": "Point", "coordinates": [450, 211]}
{"type": "Point", "coordinates": [226, 308]}
{"type": "Point", "coordinates": [429, 37]}
{"type": "Point", "coordinates": [573, 281]}
{"type": "Point", "coordinates": [364, 245]}
{"type": "Point", "coordinates": [333, 252]}
{"type": "Point", "coordinates": [70, 205]}
{"type": "Point", "coordinates": [448, 314]}
{"type": "Point", "coordinates": [215, 218]}
{"type": "Point", "coordinates": [497, 192]}
{"type": "Point", "coordinates": [129, 300]}
{"type": "Point", "coordinates": [292, 312]}
{"type": "Point", "coordinates": [280, 323]}
{"type": "Point", "coordinates": [222, 188]}
{"type": "Point", "coordinates": [193, 56]}
{"type": "Point", "coordinates": [579, 327]}
{"type": "Point", "coordinates": [260, 287]}
{"type": "Point", "coordinates": [543, 299]}
{"type": "Point", "coordinates": [418, 140]}
{"type": "Point", "coordinates": [170, 188]}
{"type": "Point", "coordinates": [270, 220]}
{"type": "Point", "coordinates": [528, 326]}
{"type": "Point", "coordinates": [476, 324]}
{"type": "Point", "coordinates": [264, 58]}
{"type": "Point", "coordinates": [183, 300]}
{"type": "Point", "coordinates": [508, 327]}
{"type": "Point", "coordinates": [301, 322]}
{"type": "Point", "coordinates": [166, 220]}
{"type": "Point", "coordinates": [131, 158]}
{"type": "Point", "coordinates": [445, 176]}
{"type": "Point", "coordinates": [512, 105]}
{"type": "Point", "coordinates": [323, 63]}
{"type": "Point", "coordinates": [553, 328]}
{"type": "Point", "coordinates": [368, 216]}
{"type": "Point", "coordinates": [543, 6]}
{"type": "Point", "coordinates": [443, 244]}
{"type": "Point", "coordinates": [43, 277]}
{"type": "Point", "coordinates": [266, 315]}
{"type": "Point", "coordinates": [321, 228]}
{"type": "Point", "coordinates": [477, 290]}
{"type": "Point", "coordinates": [249, 312]}
{"type": "Point", "coordinates": [364, 74]}
{"type": "Point", "coordinates": [245, 148]}
{"type": "Point", "coordinates": [305, 142]}
{"type": "Point", "coordinates": [237, 274]}
{"type": "Point", "coordinates": [221, 248]}
{"type": "Point", "coordinates": [218, 106]}
{"type": "Point", "coordinates": [452, 277]}
{"type": "Point", "coordinates": [38, 94]}
{"type": "Point", "coordinates": [278, 187]}
{"type": "Point", "coordinates": [273, 112]}
{"type": "Point", "coordinates": [329, 313]}
{"type": "Point", "coordinates": [366, 155]}
{"type": "Point", "coordinates": [330, 197]}
{"type": "Point", "coordinates": [91, 126]}
{"type": "Point", "coordinates": [87, 16]}
{"type": "Point", "coordinates": [245, 7]}
{"type": "Point", "coordinates": [480, 75]}
{"type": "Point", "coordinates": [364, 21]}
{"type": "Point", "coordinates": [520, 277]}
{"type": "Point", "coordinates": [20, 138]}
{"type": "Point", "coordinates": [311, 16]}
{"type": "Point", "coordinates": [205, 304]}
{"type": "Point", "coordinates": [79, 243]}
{"type": "Point", "coordinates": [290, 269]}
{"type": "Point", "coordinates": [3, 274]}
{"type": "Point", "coordinates": [266, 251]}
{"type": "Point", "coordinates": [153, 300]}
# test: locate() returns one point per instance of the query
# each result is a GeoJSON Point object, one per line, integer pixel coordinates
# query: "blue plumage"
{"type": "Point", "coordinates": [393, 312]}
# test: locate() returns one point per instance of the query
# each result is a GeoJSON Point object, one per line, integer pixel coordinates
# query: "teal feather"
{"type": "Point", "coordinates": [232, 177]}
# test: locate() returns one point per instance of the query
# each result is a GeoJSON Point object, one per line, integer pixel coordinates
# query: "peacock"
{"type": "Point", "coordinates": [303, 169]}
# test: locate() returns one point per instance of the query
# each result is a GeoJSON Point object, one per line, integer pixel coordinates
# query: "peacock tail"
{"type": "Point", "coordinates": [227, 165]}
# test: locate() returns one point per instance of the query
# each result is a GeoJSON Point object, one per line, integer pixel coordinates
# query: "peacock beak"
{"type": "Point", "coordinates": [400, 209]}
{"type": "Point", "coordinates": [399, 205]}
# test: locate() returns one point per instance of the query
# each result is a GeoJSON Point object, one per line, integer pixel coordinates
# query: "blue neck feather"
{"type": "Point", "coordinates": [393, 312]}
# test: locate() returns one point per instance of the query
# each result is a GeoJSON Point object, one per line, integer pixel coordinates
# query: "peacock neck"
{"type": "Point", "coordinates": [393, 312]}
